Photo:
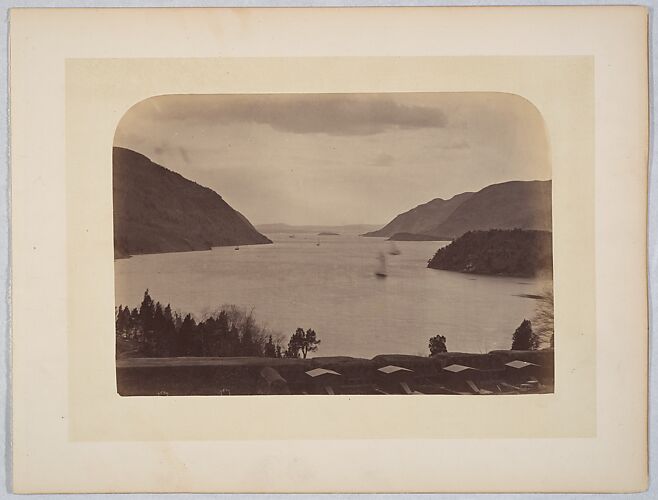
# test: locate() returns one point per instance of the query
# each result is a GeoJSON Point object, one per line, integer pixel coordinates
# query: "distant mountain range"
{"type": "Point", "coordinates": [292, 229]}
{"type": "Point", "coordinates": [509, 205]}
{"type": "Point", "coordinates": [417, 237]}
{"type": "Point", "coordinates": [157, 210]}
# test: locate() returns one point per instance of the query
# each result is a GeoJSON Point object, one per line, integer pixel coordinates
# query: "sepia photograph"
{"type": "Point", "coordinates": [328, 244]}
{"type": "Point", "coordinates": [276, 250]}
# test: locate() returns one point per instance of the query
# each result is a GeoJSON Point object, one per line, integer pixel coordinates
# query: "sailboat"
{"type": "Point", "coordinates": [394, 250]}
{"type": "Point", "coordinates": [381, 269]}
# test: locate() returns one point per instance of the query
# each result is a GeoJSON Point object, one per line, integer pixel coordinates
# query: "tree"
{"type": "Point", "coordinates": [249, 345]}
{"type": "Point", "coordinates": [232, 342]}
{"type": "Point", "coordinates": [302, 342]}
{"type": "Point", "coordinates": [161, 339]}
{"type": "Point", "coordinates": [167, 314]}
{"type": "Point", "coordinates": [543, 321]}
{"type": "Point", "coordinates": [215, 334]}
{"type": "Point", "coordinates": [230, 331]}
{"type": "Point", "coordinates": [185, 336]}
{"type": "Point", "coordinates": [118, 315]}
{"type": "Point", "coordinates": [123, 321]}
{"type": "Point", "coordinates": [269, 351]}
{"type": "Point", "coordinates": [437, 345]}
{"type": "Point", "coordinates": [523, 338]}
{"type": "Point", "coordinates": [154, 336]}
{"type": "Point", "coordinates": [146, 312]}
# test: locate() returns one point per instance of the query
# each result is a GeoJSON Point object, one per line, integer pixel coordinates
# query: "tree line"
{"type": "Point", "coordinates": [155, 330]}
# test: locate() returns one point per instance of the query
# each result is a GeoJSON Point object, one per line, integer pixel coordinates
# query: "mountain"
{"type": "Point", "coordinates": [292, 229]}
{"type": "Point", "coordinates": [509, 205]}
{"type": "Point", "coordinates": [420, 219]}
{"type": "Point", "coordinates": [157, 210]}
{"type": "Point", "coordinates": [516, 252]}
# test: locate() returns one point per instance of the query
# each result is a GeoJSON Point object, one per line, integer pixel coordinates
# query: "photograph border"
{"type": "Point", "coordinates": [602, 476]}
{"type": "Point", "coordinates": [96, 413]}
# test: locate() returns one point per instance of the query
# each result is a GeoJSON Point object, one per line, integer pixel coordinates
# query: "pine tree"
{"type": "Point", "coordinates": [167, 313]}
{"type": "Point", "coordinates": [523, 338]}
{"type": "Point", "coordinates": [437, 344]}
{"type": "Point", "coordinates": [135, 329]}
{"type": "Point", "coordinates": [185, 337]}
{"type": "Point", "coordinates": [146, 312]}
{"type": "Point", "coordinates": [119, 327]}
{"type": "Point", "coordinates": [269, 350]}
{"type": "Point", "coordinates": [126, 325]}
{"type": "Point", "coordinates": [221, 339]}
{"type": "Point", "coordinates": [233, 342]}
{"type": "Point", "coordinates": [157, 336]}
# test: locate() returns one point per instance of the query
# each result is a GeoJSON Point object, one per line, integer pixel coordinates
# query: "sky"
{"type": "Point", "coordinates": [336, 159]}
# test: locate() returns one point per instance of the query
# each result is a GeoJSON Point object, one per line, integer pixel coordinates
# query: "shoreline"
{"type": "Point", "coordinates": [193, 250]}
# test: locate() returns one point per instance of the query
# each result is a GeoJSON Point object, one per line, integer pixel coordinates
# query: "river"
{"type": "Point", "coordinates": [328, 283]}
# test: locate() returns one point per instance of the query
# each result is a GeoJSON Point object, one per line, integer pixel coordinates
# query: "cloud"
{"type": "Point", "coordinates": [330, 171]}
{"type": "Point", "coordinates": [331, 114]}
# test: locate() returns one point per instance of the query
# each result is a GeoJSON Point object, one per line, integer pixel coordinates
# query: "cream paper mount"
{"type": "Point", "coordinates": [71, 430]}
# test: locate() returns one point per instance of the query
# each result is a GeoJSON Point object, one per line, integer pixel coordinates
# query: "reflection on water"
{"type": "Point", "coordinates": [332, 288]}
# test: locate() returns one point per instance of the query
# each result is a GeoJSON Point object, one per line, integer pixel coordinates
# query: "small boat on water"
{"type": "Point", "coordinates": [237, 248]}
{"type": "Point", "coordinates": [394, 250]}
{"type": "Point", "coordinates": [381, 268]}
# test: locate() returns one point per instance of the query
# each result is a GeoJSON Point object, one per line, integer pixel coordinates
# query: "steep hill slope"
{"type": "Point", "coordinates": [423, 218]}
{"type": "Point", "coordinates": [510, 205]}
{"type": "Point", "coordinates": [157, 210]}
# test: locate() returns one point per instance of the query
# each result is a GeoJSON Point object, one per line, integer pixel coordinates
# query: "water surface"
{"type": "Point", "coordinates": [332, 288]}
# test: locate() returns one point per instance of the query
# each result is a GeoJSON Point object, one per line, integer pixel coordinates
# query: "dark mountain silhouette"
{"type": "Point", "coordinates": [422, 218]}
{"type": "Point", "coordinates": [294, 229]}
{"type": "Point", "coordinates": [517, 252]}
{"type": "Point", "coordinates": [157, 210]}
{"type": "Point", "coordinates": [509, 205]}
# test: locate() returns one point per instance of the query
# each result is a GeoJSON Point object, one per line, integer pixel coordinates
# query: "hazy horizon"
{"type": "Point", "coordinates": [339, 159]}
